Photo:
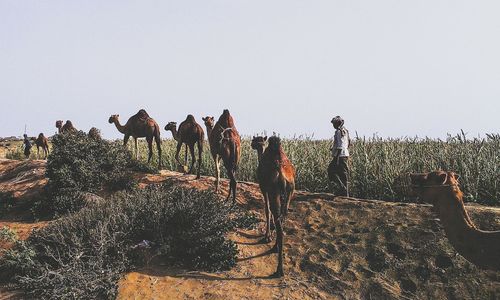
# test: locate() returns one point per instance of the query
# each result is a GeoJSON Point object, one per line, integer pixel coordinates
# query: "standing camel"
{"type": "Point", "coordinates": [440, 188]}
{"type": "Point", "coordinates": [189, 133]}
{"type": "Point", "coordinates": [43, 142]}
{"type": "Point", "coordinates": [138, 126]}
{"type": "Point", "coordinates": [225, 144]}
{"type": "Point", "coordinates": [259, 144]}
{"type": "Point", "coordinates": [276, 176]}
{"type": "Point", "coordinates": [67, 127]}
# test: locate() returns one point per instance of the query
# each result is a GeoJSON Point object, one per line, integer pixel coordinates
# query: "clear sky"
{"type": "Point", "coordinates": [395, 68]}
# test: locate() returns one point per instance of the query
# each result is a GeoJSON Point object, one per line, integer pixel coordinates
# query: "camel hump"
{"type": "Point", "coordinates": [190, 118]}
{"type": "Point", "coordinates": [41, 135]}
{"type": "Point", "coordinates": [226, 120]}
{"type": "Point", "coordinates": [142, 114]}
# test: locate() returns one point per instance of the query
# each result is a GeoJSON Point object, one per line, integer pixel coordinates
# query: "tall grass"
{"type": "Point", "coordinates": [379, 167]}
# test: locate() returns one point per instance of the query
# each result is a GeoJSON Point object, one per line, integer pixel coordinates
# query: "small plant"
{"type": "Point", "coordinates": [7, 235]}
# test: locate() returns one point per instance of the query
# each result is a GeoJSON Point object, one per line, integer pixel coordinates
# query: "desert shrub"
{"type": "Point", "coordinates": [16, 154]}
{"type": "Point", "coordinates": [80, 163]}
{"type": "Point", "coordinates": [83, 255]}
{"type": "Point", "coordinates": [7, 201]}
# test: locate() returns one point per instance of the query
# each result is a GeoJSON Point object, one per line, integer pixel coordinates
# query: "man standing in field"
{"type": "Point", "coordinates": [27, 146]}
{"type": "Point", "coordinates": [338, 170]}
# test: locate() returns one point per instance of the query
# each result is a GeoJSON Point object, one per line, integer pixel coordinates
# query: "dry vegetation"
{"type": "Point", "coordinates": [379, 166]}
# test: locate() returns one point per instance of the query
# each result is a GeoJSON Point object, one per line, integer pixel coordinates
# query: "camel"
{"type": "Point", "coordinates": [225, 144]}
{"type": "Point", "coordinates": [43, 142]}
{"type": "Point", "coordinates": [94, 133]}
{"type": "Point", "coordinates": [276, 177]}
{"type": "Point", "coordinates": [67, 127]}
{"type": "Point", "coordinates": [138, 126]}
{"type": "Point", "coordinates": [440, 188]}
{"type": "Point", "coordinates": [189, 133]}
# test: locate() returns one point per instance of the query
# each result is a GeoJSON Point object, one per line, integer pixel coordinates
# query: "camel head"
{"type": "Point", "coordinates": [209, 121]}
{"type": "Point", "coordinates": [59, 123]}
{"type": "Point", "coordinates": [172, 126]}
{"type": "Point", "coordinates": [113, 118]}
{"type": "Point", "coordinates": [430, 186]}
{"type": "Point", "coordinates": [258, 143]}
{"type": "Point", "coordinates": [274, 144]}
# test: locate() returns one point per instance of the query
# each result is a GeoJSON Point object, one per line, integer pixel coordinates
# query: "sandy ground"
{"type": "Point", "coordinates": [335, 248]}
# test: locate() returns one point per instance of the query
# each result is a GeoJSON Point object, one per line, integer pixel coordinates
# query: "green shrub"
{"type": "Point", "coordinates": [80, 163]}
{"type": "Point", "coordinates": [83, 255]}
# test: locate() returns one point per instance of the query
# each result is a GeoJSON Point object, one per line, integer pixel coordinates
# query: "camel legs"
{"type": "Point", "coordinates": [137, 149]}
{"type": "Point", "coordinates": [232, 185]}
{"type": "Point", "coordinates": [278, 247]}
{"type": "Point", "coordinates": [289, 189]}
{"type": "Point", "coordinates": [267, 236]}
{"type": "Point", "coordinates": [217, 169]}
{"type": "Point", "coordinates": [193, 158]}
{"type": "Point", "coordinates": [186, 155]}
{"type": "Point", "coordinates": [200, 151]}
{"type": "Point", "coordinates": [158, 147]}
{"type": "Point", "coordinates": [178, 150]}
{"type": "Point", "coordinates": [150, 147]}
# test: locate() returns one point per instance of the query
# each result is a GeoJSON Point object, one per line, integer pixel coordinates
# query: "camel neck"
{"type": "Point", "coordinates": [259, 154]}
{"type": "Point", "coordinates": [175, 134]}
{"type": "Point", "coordinates": [458, 226]}
{"type": "Point", "coordinates": [209, 131]}
{"type": "Point", "coordinates": [120, 128]}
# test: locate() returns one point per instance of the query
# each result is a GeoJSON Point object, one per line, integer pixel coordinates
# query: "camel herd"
{"type": "Point", "coordinates": [276, 178]}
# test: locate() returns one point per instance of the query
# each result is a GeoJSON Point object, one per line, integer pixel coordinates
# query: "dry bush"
{"type": "Point", "coordinates": [83, 255]}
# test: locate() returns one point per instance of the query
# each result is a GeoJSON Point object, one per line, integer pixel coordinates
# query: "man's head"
{"type": "Point", "coordinates": [337, 122]}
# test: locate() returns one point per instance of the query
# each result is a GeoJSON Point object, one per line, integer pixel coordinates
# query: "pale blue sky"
{"type": "Point", "coordinates": [394, 68]}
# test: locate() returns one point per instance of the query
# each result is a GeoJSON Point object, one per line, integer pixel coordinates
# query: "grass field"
{"type": "Point", "coordinates": [379, 167]}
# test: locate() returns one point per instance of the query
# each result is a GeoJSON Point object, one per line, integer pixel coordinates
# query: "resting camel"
{"type": "Point", "coordinates": [276, 176]}
{"type": "Point", "coordinates": [138, 126]}
{"type": "Point", "coordinates": [225, 144]}
{"type": "Point", "coordinates": [67, 127]}
{"type": "Point", "coordinates": [478, 246]}
{"type": "Point", "coordinates": [189, 133]}
{"type": "Point", "coordinates": [43, 142]}
{"type": "Point", "coordinates": [94, 133]}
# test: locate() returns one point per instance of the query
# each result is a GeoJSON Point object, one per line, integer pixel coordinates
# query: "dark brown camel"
{"type": "Point", "coordinates": [276, 176]}
{"type": "Point", "coordinates": [189, 133]}
{"type": "Point", "coordinates": [43, 142]}
{"type": "Point", "coordinates": [67, 127]}
{"type": "Point", "coordinates": [138, 126]}
{"type": "Point", "coordinates": [94, 133]}
{"type": "Point", "coordinates": [440, 188]}
{"type": "Point", "coordinates": [225, 144]}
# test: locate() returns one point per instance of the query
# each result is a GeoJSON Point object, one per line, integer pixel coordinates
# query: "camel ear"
{"type": "Point", "coordinates": [443, 177]}
{"type": "Point", "coordinates": [204, 118]}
